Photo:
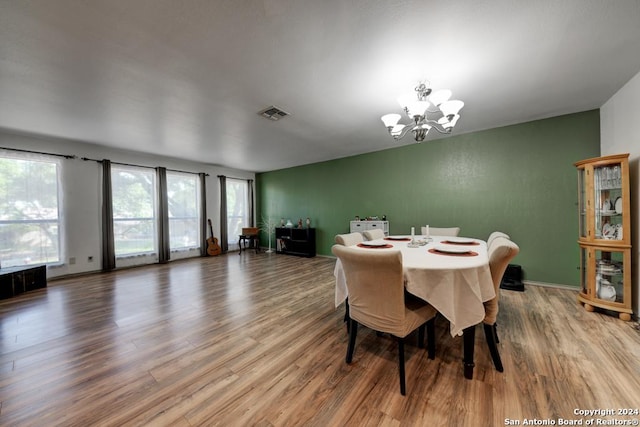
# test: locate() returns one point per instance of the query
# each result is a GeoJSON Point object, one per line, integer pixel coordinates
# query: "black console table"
{"type": "Point", "coordinates": [16, 280]}
{"type": "Point", "coordinates": [296, 241]}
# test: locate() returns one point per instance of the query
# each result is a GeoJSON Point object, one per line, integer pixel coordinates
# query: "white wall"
{"type": "Point", "coordinates": [81, 182]}
{"type": "Point", "coordinates": [620, 133]}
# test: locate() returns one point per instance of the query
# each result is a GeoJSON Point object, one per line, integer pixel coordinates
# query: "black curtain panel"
{"type": "Point", "coordinates": [108, 245]}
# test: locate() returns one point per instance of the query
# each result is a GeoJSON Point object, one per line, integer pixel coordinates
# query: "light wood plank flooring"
{"type": "Point", "coordinates": [255, 340]}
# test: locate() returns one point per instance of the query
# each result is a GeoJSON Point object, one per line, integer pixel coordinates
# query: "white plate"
{"type": "Point", "coordinates": [619, 205]}
{"type": "Point", "coordinates": [460, 240]}
{"type": "Point", "coordinates": [373, 244]}
{"type": "Point", "coordinates": [608, 231]}
{"type": "Point", "coordinates": [452, 250]}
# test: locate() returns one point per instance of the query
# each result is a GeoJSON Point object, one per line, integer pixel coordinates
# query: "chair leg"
{"type": "Point", "coordinates": [403, 387]}
{"type": "Point", "coordinates": [353, 331]}
{"type": "Point", "coordinates": [468, 339]}
{"type": "Point", "coordinates": [421, 335]}
{"type": "Point", "coordinates": [495, 332]}
{"type": "Point", "coordinates": [489, 332]}
{"type": "Point", "coordinates": [347, 320]}
{"type": "Point", "coordinates": [431, 338]}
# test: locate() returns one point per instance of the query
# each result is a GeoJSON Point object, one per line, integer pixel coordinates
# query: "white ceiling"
{"type": "Point", "coordinates": [187, 78]}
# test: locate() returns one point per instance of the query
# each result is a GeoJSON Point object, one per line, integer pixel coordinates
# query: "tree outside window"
{"type": "Point", "coordinates": [134, 210]}
{"type": "Point", "coordinates": [184, 211]}
{"type": "Point", "coordinates": [237, 208]}
{"type": "Point", "coordinates": [29, 212]}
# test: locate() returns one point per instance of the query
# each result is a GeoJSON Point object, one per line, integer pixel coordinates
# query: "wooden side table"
{"type": "Point", "coordinates": [250, 235]}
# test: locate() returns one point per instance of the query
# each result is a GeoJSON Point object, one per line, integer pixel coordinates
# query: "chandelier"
{"type": "Point", "coordinates": [443, 117]}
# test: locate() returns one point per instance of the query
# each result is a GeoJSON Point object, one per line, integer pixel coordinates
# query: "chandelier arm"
{"type": "Point", "coordinates": [438, 127]}
{"type": "Point", "coordinates": [403, 132]}
{"type": "Point", "coordinates": [444, 131]}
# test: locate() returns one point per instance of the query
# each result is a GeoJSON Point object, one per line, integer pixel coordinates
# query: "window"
{"type": "Point", "coordinates": [184, 206]}
{"type": "Point", "coordinates": [29, 211]}
{"type": "Point", "coordinates": [134, 210]}
{"type": "Point", "coordinates": [237, 208]}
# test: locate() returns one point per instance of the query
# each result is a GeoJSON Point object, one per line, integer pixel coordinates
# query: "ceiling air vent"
{"type": "Point", "coordinates": [273, 113]}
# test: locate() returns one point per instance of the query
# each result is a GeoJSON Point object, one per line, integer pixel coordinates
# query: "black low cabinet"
{"type": "Point", "coordinates": [296, 241]}
{"type": "Point", "coordinates": [17, 280]}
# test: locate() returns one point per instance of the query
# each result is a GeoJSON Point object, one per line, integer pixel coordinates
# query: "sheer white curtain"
{"type": "Point", "coordinates": [31, 215]}
{"type": "Point", "coordinates": [156, 212]}
{"type": "Point", "coordinates": [183, 196]}
{"type": "Point", "coordinates": [135, 210]}
{"type": "Point", "coordinates": [238, 214]}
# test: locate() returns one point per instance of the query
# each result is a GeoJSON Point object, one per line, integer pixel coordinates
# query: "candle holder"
{"type": "Point", "coordinates": [413, 243]}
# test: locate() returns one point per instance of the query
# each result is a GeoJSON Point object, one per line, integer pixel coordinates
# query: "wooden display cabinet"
{"type": "Point", "coordinates": [605, 234]}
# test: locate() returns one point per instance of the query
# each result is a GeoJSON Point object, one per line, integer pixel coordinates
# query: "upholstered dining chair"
{"type": "Point", "coordinates": [502, 251]}
{"type": "Point", "coordinates": [493, 236]}
{"type": "Point", "coordinates": [439, 231]}
{"type": "Point", "coordinates": [373, 234]}
{"type": "Point", "coordinates": [349, 239]}
{"type": "Point", "coordinates": [377, 300]}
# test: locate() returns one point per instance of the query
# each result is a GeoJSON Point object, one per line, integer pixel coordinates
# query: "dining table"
{"type": "Point", "coordinates": [450, 273]}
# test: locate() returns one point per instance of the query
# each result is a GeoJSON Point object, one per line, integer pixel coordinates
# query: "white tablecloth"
{"type": "Point", "coordinates": [456, 286]}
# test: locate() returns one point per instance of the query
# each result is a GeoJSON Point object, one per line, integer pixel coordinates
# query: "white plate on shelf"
{"type": "Point", "coordinates": [460, 240]}
{"type": "Point", "coordinates": [608, 231]}
{"type": "Point", "coordinates": [451, 250]}
{"type": "Point", "coordinates": [619, 205]}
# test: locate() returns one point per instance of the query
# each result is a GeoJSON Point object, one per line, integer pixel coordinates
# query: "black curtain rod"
{"type": "Point", "coordinates": [140, 166]}
{"type": "Point", "coordinates": [66, 156]}
{"type": "Point", "coordinates": [233, 177]}
{"type": "Point", "coordinates": [195, 173]}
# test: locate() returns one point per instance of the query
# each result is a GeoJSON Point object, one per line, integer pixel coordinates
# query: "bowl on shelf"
{"type": "Point", "coordinates": [607, 292]}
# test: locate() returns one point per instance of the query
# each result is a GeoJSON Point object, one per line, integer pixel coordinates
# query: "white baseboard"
{"type": "Point", "coordinates": [551, 285]}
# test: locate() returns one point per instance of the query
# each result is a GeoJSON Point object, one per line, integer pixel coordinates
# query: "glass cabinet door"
{"type": "Point", "coordinates": [607, 184]}
{"type": "Point", "coordinates": [609, 276]}
{"type": "Point", "coordinates": [584, 267]}
{"type": "Point", "coordinates": [582, 208]}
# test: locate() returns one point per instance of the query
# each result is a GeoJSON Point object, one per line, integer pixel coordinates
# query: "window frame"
{"type": "Point", "coordinates": [153, 220]}
{"type": "Point", "coordinates": [197, 218]}
{"type": "Point", "coordinates": [57, 222]}
{"type": "Point", "coordinates": [232, 234]}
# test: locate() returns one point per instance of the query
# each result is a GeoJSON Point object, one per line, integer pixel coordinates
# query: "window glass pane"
{"type": "Point", "coordinates": [184, 210]}
{"type": "Point", "coordinates": [29, 215]}
{"type": "Point", "coordinates": [134, 210]}
{"type": "Point", "coordinates": [237, 208]}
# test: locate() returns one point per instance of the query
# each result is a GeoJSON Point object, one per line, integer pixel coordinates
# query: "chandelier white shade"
{"type": "Point", "coordinates": [427, 109]}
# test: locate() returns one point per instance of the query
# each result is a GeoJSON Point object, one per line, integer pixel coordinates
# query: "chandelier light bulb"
{"type": "Point", "coordinates": [448, 124]}
{"type": "Point", "coordinates": [397, 130]}
{"type": "Point", "coordinates": [406, 99]}
{"type": "Point", "coordinates": [440, 96]}
{"type": "Point", "coordinates": [390, 120]}
{"type": "Point", "coordinates": [451, 108]}
{"type": "Point", "coordinates": [416, 108]}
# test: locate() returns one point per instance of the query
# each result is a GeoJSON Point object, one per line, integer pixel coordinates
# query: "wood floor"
{"type": "Point", "coordinates": [255, 340]}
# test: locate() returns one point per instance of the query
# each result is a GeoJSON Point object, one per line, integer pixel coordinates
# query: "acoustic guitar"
{"type": "Point", "coordinates": [213, 248]}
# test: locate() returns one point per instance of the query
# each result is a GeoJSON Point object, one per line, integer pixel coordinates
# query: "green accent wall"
{"type": "Point", "coordinates": [517, 179]}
